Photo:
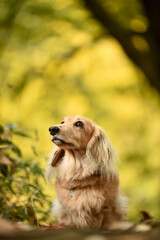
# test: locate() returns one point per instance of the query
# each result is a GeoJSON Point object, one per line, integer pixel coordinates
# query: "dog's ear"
{"type": "Point", "coordinates": [55, 157]}
{"type": "Point", "coordinates": [100, 149]}
{"type": "Point", "coordinates": [58, 154]}
{"type": "Point", "coordinates": [90, 145]}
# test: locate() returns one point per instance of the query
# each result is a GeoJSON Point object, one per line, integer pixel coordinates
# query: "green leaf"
{"type": "Point", "coordinates": [22, 165]}
{"type": "Point", "coordinates": [10, 187]}
{"type": "Point", "coordinates": [1, 129]}
{"type": "Point", "coordinates": [37, 170]}
{"type": "Point", "coordinates": [36, 135]}
{"type": "Point", "coordinates": [34, 150]}
{"type": "Point", "coordinates": [22, 134]}
{"type": "Point", "coordinates": [5, 141]}
{"type": "Point", "coordinates": [17, 151]}
{"type": "Point", "coordinates": [4, 170]}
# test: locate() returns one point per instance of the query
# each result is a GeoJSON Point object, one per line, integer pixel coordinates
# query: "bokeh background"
{"type": "Point", "coordinates": [98, 59]}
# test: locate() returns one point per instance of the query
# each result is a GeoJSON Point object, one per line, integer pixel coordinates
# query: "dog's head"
{"type": "Point", "coordinates": [72, 133]}
{"type": "Point", "coordinates": [83, 135]}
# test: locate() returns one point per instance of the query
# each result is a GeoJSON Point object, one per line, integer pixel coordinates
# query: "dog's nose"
{"type": "Point", "coordinates": [53, 130]}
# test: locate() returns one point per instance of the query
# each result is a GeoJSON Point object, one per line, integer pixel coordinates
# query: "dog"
{"type": "Point", "coordinates": [86, 179]}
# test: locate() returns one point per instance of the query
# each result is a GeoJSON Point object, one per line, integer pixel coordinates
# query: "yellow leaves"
{"type": "Point", "coordinates": [104, 65]}
{"type": "Point", "coordinates": [127, 110]}
{"type": "Point", "coordinates": [32, 93]}
{"type": "Point", "coordinates": [140, 43]}
{"type": "Point", "coordinates": [76, 105]}
{"type": "Point", "coordinates": [138, 25]}
{"type": "Point", "coordinates": [80, 38]}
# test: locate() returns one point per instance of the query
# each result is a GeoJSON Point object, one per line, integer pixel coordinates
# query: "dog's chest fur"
{"type": "Point", "coordinates": [91, 193]}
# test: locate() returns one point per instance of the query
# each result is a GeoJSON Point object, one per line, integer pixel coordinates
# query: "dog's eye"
{"type": "Point", "coordinates": [79, 124]}
{"type": "Point", "coordinates": [62, 122]}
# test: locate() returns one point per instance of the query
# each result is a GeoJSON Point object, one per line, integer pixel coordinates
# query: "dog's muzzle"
{"type": "Point", "coordinates": [54, 130]}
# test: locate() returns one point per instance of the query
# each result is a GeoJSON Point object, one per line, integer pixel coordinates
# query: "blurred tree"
{"type": "Point", "coordinates": [135, 24]}
{"type": "Point", "coordinates": [141, 38]}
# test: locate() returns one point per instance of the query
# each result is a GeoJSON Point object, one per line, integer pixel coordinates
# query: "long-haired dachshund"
{"type": "Point", "coordinates": [87, 183]}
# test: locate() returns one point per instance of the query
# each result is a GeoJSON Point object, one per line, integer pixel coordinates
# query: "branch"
{"type": "Point", "coordinates": [152, 9]}
{"type": "Point", "coordinates": [145, 60]}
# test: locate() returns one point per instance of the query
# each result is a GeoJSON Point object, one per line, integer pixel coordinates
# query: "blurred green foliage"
{"type": "Point", "coordinates": [57, 61]}
{"type": "Point", "coordinates": [21, 194]}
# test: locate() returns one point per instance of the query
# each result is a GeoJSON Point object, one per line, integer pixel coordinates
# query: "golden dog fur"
{"type": "Point", "coordinates": [87, 183]}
